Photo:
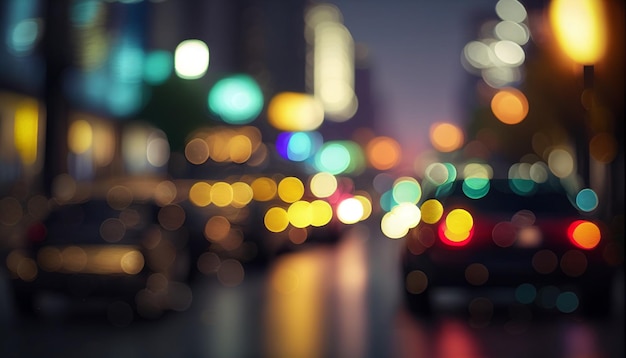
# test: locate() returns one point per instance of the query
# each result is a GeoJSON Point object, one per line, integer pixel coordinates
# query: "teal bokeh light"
{"type": "Point", "coordinates": [236, 99]}
{"type": "Point", "coordinates": [476, 188]}
{"type": "Point", "coordinates": [158, 66]}
{"type": "Point", "coordinates": [524, 187]}
{"type": "Point", "coordinates": [525, 293]}
{"type": "Point", "coordinates": [337, 157]}
{"type": "Point", "coordinates": [567, 302]}
{"type": "Point", "coordinates": [407, 191]}
{"type": "Point", "coordinates": [587, 200]}
{"type": "Point", "coordinates": [387, 202]}
{"type": "Point", "coordinates": [333, 158]}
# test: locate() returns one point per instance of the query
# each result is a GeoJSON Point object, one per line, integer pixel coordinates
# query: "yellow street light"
{"type": "Point", "coordinates": [580, 29]}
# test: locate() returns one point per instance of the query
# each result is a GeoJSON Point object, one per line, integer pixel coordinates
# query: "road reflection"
{"type": "Point", "coordinates": [338, 300]}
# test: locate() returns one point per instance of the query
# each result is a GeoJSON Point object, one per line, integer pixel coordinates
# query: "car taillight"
{"type": "Point", "coordinates": [457, 229]}
{"type": "Point", "coordinates": [36, 233]}
{"type": "Point", "coordinates": [584, 234]}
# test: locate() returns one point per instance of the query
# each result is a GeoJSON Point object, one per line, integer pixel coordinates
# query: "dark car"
{"type": "Point", "coordinates": [131, 253]}
{"type": "Point", "coordinates": [519, 241]}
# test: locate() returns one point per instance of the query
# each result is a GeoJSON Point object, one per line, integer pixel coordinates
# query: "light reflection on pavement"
{"type": "Point", "coordinates": [324, 301]}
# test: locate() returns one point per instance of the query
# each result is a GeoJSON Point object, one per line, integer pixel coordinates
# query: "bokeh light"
{"type": "Point", "coordinates": [191, 59]}
{"type": "Point", "coordinates": [603, 147]}
{"type": "Point", "coordinates": [584, 234]}
{"type": "Point", "coordinates": [383, 153]}
{"type": "Point", "coordinates": [587, 200]}
{"type": "Point", "coordinates": [457, 228]}
{"type": "Point", "coordinates": [511, 10]}
{"type": "Point", "coordinates": [158, 67]}
{"type": "Point", "coordinates": [323, 184]}
{"type": "Point", "coordinates": [80, 136]}
{"type": "Point", "coordinates": [446, 137]}
{"type": "Point", "coordinates": [290, 189]}
{"type": "Point", "coordinates": [26, 129]}
{"type": "Point", "coordinates": [300, 214]}
{"type": "Point", "coordinates": [298, 146]}
{"type": "Point", "coordinates": [432, 211]}
{"type": "Point", "coordinates": [242, 194]}
{"type": "Point", "coordinates": [200, 194]}
{"type": "Point", "coordinates": [561, 163]}
{"type": "Point", "coordinates": [509, 105]}
{"type": "Point", "coordinates": [236, 99]}
{"type": "Point", "coordinates": [276, 219]}
{"type": "Point", "coordinates": [322, 213]}
{"type": "Point", "coordinates": [407, 189]}
{"type": "Point", "coordinates": [264, 188]}
{"type": "Point", "coordinates": [350, 211]}
{"type": "Point", "coordinates": [580, 28]}
{"type": "Point", "coordinates": [293, 112]}
{"type": "Point", "coordinates": [221, 194]}
{"type": "Point", "coordinates": [197, 151]}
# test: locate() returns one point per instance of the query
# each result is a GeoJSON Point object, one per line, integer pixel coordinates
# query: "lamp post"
{"type": "Point", "coordinates": [579, 27]}
{"type": "Point", "coordinates": [581, 33]}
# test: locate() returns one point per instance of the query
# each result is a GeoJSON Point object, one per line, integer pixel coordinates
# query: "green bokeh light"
{"type": "Point", "coordinates": [236, 99]}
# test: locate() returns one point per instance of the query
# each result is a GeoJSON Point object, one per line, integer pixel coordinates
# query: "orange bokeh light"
{"type": "Point", "coordinates": [383, 152]}
{"type": "Point", "coordinates": [510, 106]}
{"type": "Point", "coordinates": [446, 137]}
{"type": "Point", "coordinates": [584, 234]}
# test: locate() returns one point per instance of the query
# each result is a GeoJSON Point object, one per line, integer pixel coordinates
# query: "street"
{"type": "Point", "coordinates": [337, 300]}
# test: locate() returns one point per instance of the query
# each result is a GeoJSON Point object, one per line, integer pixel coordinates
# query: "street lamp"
{"type": "Point", "coordinates": [580, 29]}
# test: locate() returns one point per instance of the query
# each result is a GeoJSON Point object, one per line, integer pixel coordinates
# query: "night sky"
{"type": "Point", "coordinates": [414, 52]}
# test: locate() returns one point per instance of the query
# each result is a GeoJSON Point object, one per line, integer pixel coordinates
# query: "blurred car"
{"type": "Point", "coordinates": [104, 249]}
{"type": "Point", "coordinates": [527, 243]}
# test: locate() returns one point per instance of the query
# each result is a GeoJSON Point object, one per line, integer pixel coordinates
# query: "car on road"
{"type": "Point", "coordinates": [110, 250]}
{"type": "Point", "coordinates": [524, 242]}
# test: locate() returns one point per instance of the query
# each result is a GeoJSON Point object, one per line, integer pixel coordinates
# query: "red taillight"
{"type": "Point", "coordinates": [454, 239]}
{"type": "Point", "coordinates": [457, 229]}
{"type": "Point", "coordinates": [36, 233]}
{"type": "Point", "coordinates": [584, 234]}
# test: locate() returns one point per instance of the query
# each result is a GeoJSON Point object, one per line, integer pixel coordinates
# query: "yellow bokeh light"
{"type": "Point", "coordinates": [26, 130]}
{"type": "Point", "coordinates": [367, 205]}
{"type": "Point", "coordinates": [322, 213]}
{"type": "Point", "coordinates": [221, 194]}
{"type": "Point", "coordinates": [242, 194]}
{"type": "Point", "coordinates": [510, 106]}
{"type": "Point", "coordinates": [200, 194]}
{"type": "Point", "coordinates": [293, 112]}
{"type": "Point", "coordinates": [264, 189]}
{"type": "Point", "coordinates": [300, 214]}
{"type": "Point", "coordinates": [580, 29]}
{"type": "Point", "coordinates": [132, 262]}
{"type": "Point", "coordinates": [459, 221]}
{"type": "Point", "coordinates": [290, 189]}
{"type": "Point", "coordinates": [276, 219]}
{"type": "Point", "coordinates": [240, 148]}
{"type": "Point", "coordinates": [80, 136]}
{"type": "Point", "coordinates": [432, 210]}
